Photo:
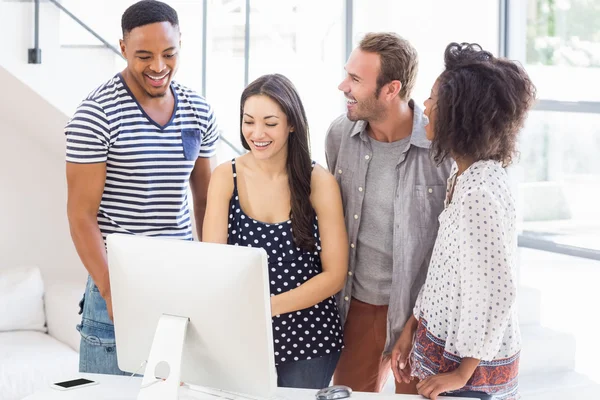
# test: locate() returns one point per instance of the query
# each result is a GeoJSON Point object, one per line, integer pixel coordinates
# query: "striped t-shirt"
{"type": "Point", "coordinates": [148, 166]}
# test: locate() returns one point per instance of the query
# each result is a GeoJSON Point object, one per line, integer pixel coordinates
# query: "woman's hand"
{"type": "Point", "coordinates": [401, 351]}
{"type": "Point", "coordinates": [434, 385]}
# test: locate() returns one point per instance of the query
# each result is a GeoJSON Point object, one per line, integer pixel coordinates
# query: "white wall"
{"type": "Point", "coordinates": [34, 228]}
{"type": "Point", "coordinates": [66, 75]}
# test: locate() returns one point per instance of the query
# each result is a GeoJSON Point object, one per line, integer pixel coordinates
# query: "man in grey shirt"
{"type": "Point", "coordinates": [393, 193]}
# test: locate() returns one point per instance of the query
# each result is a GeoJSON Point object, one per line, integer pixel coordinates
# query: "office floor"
{"type": "Point", "coordinates": [570, 296]}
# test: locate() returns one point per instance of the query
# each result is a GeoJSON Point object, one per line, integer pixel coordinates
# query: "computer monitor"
{"type": "Point", "coordinates": [222, 289]}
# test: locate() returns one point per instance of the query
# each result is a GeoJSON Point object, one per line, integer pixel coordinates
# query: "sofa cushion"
{"type": "Point", "coordinates": [22, 300]}
{"type": "Point", "coordinates": [31, 361]}
{"type": "Point", "coordinates": [62, 309]}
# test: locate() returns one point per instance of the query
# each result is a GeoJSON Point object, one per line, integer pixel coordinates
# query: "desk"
{"type": "Point", "coordinates": [125, 388]}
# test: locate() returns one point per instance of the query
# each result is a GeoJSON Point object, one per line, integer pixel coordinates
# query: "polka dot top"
{"type": "Point", "coordinates": [301, 335]}
{"type": "Point", "coordinates": [468, 300]}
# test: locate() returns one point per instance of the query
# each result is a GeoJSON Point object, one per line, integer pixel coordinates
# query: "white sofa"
{"type": "Point", "coordinates": [38, 340]}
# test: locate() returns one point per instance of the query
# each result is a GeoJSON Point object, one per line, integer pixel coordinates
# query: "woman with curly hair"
{"type": "Point", "coordinates": [463, 337]}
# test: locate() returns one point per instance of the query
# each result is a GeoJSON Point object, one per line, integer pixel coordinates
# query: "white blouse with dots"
{"type": "Point", "coordinates": [467, 304]}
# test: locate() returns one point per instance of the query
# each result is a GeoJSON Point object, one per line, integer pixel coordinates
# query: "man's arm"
{"type": "Point", "coordinates": [220, 191]}
{"type": "Point", "coordinates": [200, 177]}
{"type": "Point", "coordinates": [199, 180]}
{"type": "Point", "coordinates": [333, 140]}
{"type": "Point", "coordinates": [85, 184]}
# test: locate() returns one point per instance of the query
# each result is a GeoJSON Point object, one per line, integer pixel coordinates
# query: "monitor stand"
{"type": "Point", "coordinates": [167, 347]}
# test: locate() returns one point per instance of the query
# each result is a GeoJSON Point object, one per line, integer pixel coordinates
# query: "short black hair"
{"type": "Point", "coordinates": [146, 12]}
{"type": "Point", "coordinates": [482, 103]}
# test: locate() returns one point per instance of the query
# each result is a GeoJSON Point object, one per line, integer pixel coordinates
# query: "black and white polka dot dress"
{"type": "Point", "coordinates": [301, 335]}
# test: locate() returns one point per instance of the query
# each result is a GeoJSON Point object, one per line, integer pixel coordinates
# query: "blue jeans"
{"type": "Point", "coordinates": [97, 351]}
{"type": "Point", "coordinates": [315, 373]}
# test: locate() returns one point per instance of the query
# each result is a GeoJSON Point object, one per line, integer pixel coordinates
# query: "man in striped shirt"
{"type": "Point", "coordinates": [133, 146]}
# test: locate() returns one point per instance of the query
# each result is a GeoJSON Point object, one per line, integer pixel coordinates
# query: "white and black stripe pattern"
{"type": "Point", "coordinates": [148, 166]}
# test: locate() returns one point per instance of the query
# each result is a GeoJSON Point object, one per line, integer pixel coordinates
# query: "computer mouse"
{"type": "Point", "coordinates": [334, 393]}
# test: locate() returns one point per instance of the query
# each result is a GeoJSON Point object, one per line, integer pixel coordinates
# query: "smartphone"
{"type": "Point", "coordinates": [73, 384]}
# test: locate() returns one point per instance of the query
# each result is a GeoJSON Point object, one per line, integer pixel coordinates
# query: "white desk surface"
{"type": "Point", "coordinates": [112, 387]}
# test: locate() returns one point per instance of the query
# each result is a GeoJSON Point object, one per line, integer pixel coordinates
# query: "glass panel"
{"type": "Point", "coordinates": [103, 17]}
{"type": "Point", "coordinates": [430, 25]}
{"type": "Point", "coordinates": [561, 182]}
{"type": "Point", "coordinates": [303, 40]}
{"type": "Point", "coordinates": [563, 48]}
{"type": "Point", "coordinates": [225, 64]}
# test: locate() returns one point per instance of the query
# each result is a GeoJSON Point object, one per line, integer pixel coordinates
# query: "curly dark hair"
{"type": "Point", "coordinates": [482, 102]}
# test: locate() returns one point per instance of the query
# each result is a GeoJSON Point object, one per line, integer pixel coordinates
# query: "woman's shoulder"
{"type": "Point", "coordinates": [321, 178]}
{"type": "Point", "coordinates": [223, 170]}
{"type": "Point", "coordinates": [222, 178]}
{"type": "Point", "coordinates": [324, 190]}
{"type": "Point", "coordinates": [487, 184]}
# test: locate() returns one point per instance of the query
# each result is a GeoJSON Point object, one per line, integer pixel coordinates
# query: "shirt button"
{"type": "Point", "coordinates": [360, 189]}
{"type": "Point", "coordinates": [346, 298]}
{"type": "Point", "coordinates": [367, 157]}
{"type": "Point", "coordinates": [339, 171]}
{"type": "Point", "coordinates": [352, 245]}
{"type": "Point", "coordinates": [430, 190]}
{"type": "Point", "coordinates": [355, 216]}
{"type": "Point", "coordinates": [350, 273]}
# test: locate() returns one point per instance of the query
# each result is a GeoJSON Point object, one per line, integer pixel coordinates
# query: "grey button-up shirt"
{"type": "Point", "coordinates": [418, 200]}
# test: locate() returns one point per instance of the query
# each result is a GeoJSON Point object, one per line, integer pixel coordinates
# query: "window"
{"type": "Point", "coordinates": [225, 65]}
{"type": "Point", "coordinates": [302, 40]}
{"type": "Point", "coordinates": [430, 25]}
{"type": "Point", "coordinates": [563, 48]}
{"type": "Point", "coordinates": [561, 141]}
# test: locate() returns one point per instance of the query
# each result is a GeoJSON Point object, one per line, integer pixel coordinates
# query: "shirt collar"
{"type": "Point", "coordinates": [417, 138]}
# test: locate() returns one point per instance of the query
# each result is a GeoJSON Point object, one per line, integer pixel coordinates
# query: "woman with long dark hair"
{"type": "Point", "coordinates": [276, 198]}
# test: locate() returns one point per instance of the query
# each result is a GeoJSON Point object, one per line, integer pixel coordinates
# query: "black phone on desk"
{"type": "Point", "coordinates": [73, 384]}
